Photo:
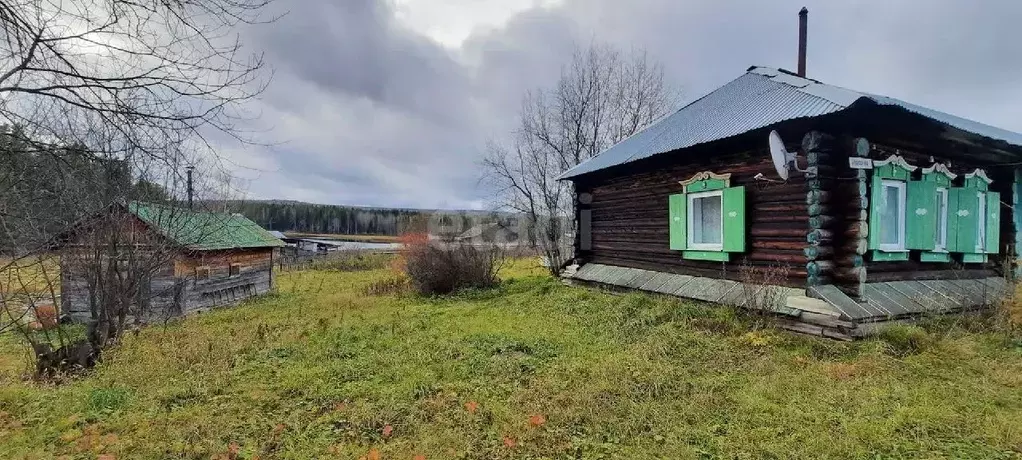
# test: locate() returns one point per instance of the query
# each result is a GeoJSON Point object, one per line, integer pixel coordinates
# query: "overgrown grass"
{"type": "Point", "coordinates": [532, 369]}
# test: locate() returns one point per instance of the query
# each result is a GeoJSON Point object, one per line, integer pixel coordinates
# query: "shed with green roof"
{"type": "Point", "coordinates": [175, 260]}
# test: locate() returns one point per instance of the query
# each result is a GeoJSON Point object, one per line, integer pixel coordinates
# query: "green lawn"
{"type": "Point", "coordinates": [532, 370]}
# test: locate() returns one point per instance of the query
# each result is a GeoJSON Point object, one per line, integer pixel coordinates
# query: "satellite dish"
{"type": "Point", "coordinates": [783, 159]}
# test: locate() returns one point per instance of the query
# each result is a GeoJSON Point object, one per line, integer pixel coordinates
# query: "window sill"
{"type": "Point", "coordinates": [935, 256]}
{"type": "Point", "coordinates": [974, 258]}
{"type": "Point", "coordinates": [715, 256]}
{"type": "Point", "coordinates": [880, 255]}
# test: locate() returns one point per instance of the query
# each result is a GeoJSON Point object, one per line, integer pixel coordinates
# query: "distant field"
{"type": "Point", "coordinates": [530, 370]}
{"type": "Point", "coordinates": [360, 238]}
{"type": "Point", "coordinates": [29, 276]}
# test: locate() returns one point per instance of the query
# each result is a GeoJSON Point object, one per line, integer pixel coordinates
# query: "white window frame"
{"type": "Point", "coordinates": [690, 234]}
{"type": "Point", "coordinates": [940, 238]}
{"type": "Point", "coordinates": [903, 198]}
{"type": "Point", "coordinates": [981, 223]}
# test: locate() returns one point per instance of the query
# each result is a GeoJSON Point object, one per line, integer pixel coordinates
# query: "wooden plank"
{"type": "Point", "coordinates": [642, 277]}
{"type": "Point", "coordinates": [735, 286]}
{"type": "Point", "coordinates": [693, 288]}
{"type": "Point", "coordinates": [812, 305]}
{"type": "Point", "coordinates": [905, 302]}
{"type": "Point", "coordinates": [994, 288]}
{"type": "Point", "coordinates": [982, 295]}
{"type": "Point", "coordinates": [954, 298]}
{"type": "Point", "coordinates": [973, 296]}
{"type": "Point", "coordinates": [585, 273]}
{"type": "Point", "coordinates": [713, 290]}
{"type": "Point", "coordinates": [848, 307]}
{"type": "Point", "coordinates": [655, 282]}
{"type": "Point", "coordinates": [824, 320]}
{"type": "Point", "coordinates": [617, 276]}
{"type": "Point", "coordinates": [922, 295]}
{"type": "Point", "coordinates": [740, 294]}
{"type": "Point", "coordinates": [879, 310]}
{"type": "Point", "coordinates": [672, 284]}
{"type": "Point", "coordinates": [997, 283]}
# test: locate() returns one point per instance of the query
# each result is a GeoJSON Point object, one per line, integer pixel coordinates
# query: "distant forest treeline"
{"type": "Point", "coordinates": [350, 220]}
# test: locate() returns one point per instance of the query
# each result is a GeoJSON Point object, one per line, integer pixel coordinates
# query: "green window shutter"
{"type": "Point", "coordinates": [733, 212]}
{"type": "Point", "coordinates": [967, 218]}
{"type": "Point", "coordinates": [921, 215]}
{"type": "Point", "coordinates": [678, 221]}
{"type": "Point", "coordinates": [875, 211]}
{"type": "Point", "coordinates": [993, 221]}
{"type": "Point", "coordinates": [952, 219]}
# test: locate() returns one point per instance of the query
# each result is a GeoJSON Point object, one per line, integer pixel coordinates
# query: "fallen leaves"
{"type": "Point", "coordinates": [471, 407]}
{"type": "Point", "coordinates": [374, 454]}
{"type": "Point", "coordinates": [537, 420]}
{"type": "Point", "coordinates": [510, 442]}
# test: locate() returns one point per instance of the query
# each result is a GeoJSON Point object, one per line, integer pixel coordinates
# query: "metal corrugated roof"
{"type": "Point", "coordinates": [760, 98]}
{"type": "Point", "coordinates": [203, 230]}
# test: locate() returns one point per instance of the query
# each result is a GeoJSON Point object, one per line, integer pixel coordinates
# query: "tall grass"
{"type": "Point", "coordinates": [530, 369]}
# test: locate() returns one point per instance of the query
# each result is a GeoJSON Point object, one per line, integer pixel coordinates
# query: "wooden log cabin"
{"type": "Point", "coordinates": [175, 261]}
{"type": "Point", "coordinates": [891, 211]}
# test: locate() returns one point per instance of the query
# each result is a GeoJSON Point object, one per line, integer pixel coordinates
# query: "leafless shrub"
{"type": "Point", "coordinates": [435, 268]}
{"type": "Point", "coordinates": [762, 287]}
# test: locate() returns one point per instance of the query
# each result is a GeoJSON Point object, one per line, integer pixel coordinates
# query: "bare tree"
{"type": "Point", "coordinates": [97, 93]}
{"type": "Point", "coordinates": [602, 97]}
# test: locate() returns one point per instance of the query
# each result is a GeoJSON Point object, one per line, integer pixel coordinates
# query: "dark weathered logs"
{"type": "Point", "coordinates": [821, 221]}
{"type": "Point", "coordinates": [818, 252]}
{"type": "Point", "coordinates": [780, 232]}
{"type": "Point", "coordinates": [792, 208]}
{"type": "Point", "coordinates": [858, 229]}
{"type": "Point", "coordinates": [818, 171]}
{"type": "Point", "coordinates": [820, 236]}
{"type": "Point", "coordinates": [856, 215]}
{"type": "Point", "coordinates": [857, 246]}
{"type": "Point", "coordinates": [851, 260]}
{"type": "Point", "coordinates": [782, 218]}
{"type": "Point", "coordinates": [854, 275]}
{"type": "Point", "coordinates": [777, 256]}
{"type": "Point", "coordinates": [817, 197]}
{"type": "Point", "coordinates": [819, 267]}
{"type": "Point", "coordinates": [819, 209]}
{"type": "Point", "coordinates": [817, 141]}
{"type": "Point", "coordinates": [778, 244]}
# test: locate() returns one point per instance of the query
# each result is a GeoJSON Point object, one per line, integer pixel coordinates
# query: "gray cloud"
{"type": "Point", "coordinates": [371, 113]}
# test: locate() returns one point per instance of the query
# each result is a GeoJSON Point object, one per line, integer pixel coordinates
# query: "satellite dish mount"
{"type": "Point", "coordinates": [784, 161]}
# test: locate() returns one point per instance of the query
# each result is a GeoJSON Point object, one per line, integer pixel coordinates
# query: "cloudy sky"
{"type": "Point", "coordinates": [391, 102]}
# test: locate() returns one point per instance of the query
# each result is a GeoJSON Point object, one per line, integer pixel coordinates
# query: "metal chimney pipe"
{"type": "Point", "coordinates": [190, 191]}
{"type": "Point", "coordinates": [803, 32]}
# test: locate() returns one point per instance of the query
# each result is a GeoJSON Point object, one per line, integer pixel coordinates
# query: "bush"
{"type": "Point", "coordinates": [436, 268]}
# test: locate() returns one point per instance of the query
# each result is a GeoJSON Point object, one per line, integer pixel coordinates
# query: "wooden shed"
{"type": "Point", "coordinates": [893, 210]}
{"type": "Point", "coordinates": [173, 260]}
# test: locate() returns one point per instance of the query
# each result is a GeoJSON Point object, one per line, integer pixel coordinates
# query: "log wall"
{"type": "Point", "coordinates": [851, 251]}
{"type": "Point", "coordinates": [178, 289]}
{"type": "Point", "coordinates": [629, 220]}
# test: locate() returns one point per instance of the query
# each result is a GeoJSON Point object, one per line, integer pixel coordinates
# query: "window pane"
{"type": "Point", "coordinates": [940, 237]}
{"type": "Point", "coordinates": [706, 220]}
{"type": "Point", "coordinates": [891, 216]}
{"type": "Point", "coordinates": [981, 222]}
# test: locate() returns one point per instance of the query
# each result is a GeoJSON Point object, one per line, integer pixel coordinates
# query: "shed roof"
{"type": "Point", "coordinates": [760, 98]}
{"type": "Point", "coordinates": [203, 230]}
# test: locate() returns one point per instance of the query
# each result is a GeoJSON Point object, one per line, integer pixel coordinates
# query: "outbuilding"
{"type": "Point", "coordinates": [171, 260]}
